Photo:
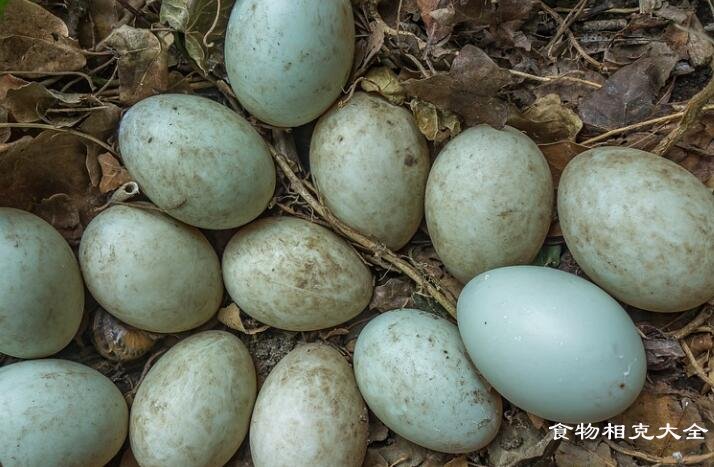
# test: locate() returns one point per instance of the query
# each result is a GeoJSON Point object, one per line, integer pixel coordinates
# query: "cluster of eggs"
{"type": "Point", "coordinates": [554, 344]}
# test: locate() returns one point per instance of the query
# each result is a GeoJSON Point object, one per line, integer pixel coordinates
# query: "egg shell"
{"type": "Point", "coordinates": [309, 412]}
{"type": "Point", "coordinates": [287, 60]}
{"type": "Point", "coordinates": [640, 226]}
{"type": "Point", "coordinates": [415, 375]}
{"type": "Point", "coordinates": [552, 343]}
{"type": "Point", "coordinates": [149, 270]}
{"type": "Point", "coordinates": [370, 163]}
{"type": "Point", "coordinates": [292, 274]}
{"type": "Point", "coordinates": [489, 201]}
{"type": "Point", "coordinates": [193, 408]}
{"type": "Point", "coordinates": [59, 413]}
{"type": "Point", "coordinates": [41, 289]}
{"type": "Point", "coordinates": [198, 160]}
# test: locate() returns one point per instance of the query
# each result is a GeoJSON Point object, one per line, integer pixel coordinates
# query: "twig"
{"type": "Point", "coordinates": [61, 130]}
{"type": "Point", "coordinates": [670, 460]}
{"type": "Point", "coordinates": [548, 79]}
{"type": "Point", "coordinates": [571, 37]}
{"type": "Point", "coordinates": [635, 126]}
{"type": "Point", "coordinates": [52, 73]}
{"type": "Point", "coordinates": [691, 114]}
{"type": "Point", "coordinates": [694, 324]}
{"type": "Point", "coordinates": [564, 25]}
{"type": "Point", "coordinates": [695, 364]}
{"type": "Point", "coordinates": [429, 283]}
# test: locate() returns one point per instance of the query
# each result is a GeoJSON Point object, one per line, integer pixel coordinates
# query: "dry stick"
{"type": "Point", "coordinates": [379, 250]}
{"type": "Point", "coordinates": [635, 126]}
{"type": "Point", "coordinates": [548, 79]}
{"type": "Point", "coordinates": [691, 114]}
{"type": "Point", "coordinates": [573, 41]}
{"type": "Point", "coordinates": [43, 126]}
{"type": "Point", "coordinates": [692, 326]}
{"type": "Point", "coordinates": [685, 460]}
{"type": "Point", "coordinates": [695, 364]}
{"type": "Point", "coordinates": [569, 20]}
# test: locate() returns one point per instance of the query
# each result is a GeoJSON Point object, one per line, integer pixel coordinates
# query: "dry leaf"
{"type": "Point", "coordinates": [114, 174]}
{"type": "Point", "coordinates": [559, 154]}
{"type": "Point", "coordinates": [434, 124]}
{"type": "Point", "coordinates": [393, 294]}
{"type": "Point", "coordinates": [656, 410]}
{"type": "Point", "coordinates": [547, 120]}
{"type": "Point", "coordinates": [598, 455]}
{"type": "Point", "coordinates": [34, 171]}
{"type": "Point", "coordinates": [101, 18]}
{"type": "Point", "coordinates": [231, 317]}
{"type": "Point", "coordinates": [203, 23]}
{"type": "Point", "coordinates": [143, 62]}
{"type": "Point", "coordinates": [366, 50]}
{"type": "Point", "coordinates": [469, 89]}
{"type": "Point", "coordinates": [33, 39]}
{"type": "Point", "coordinates": [384, 81]}
{"type": "Point", "coordinates": [629, 95]}
{"type": "Point", "coordinates": [518, 441]}
{"type": "Point", "coordinates": [31, 101]}
{"type": "Point", "coordinates": [404, 454]}
{"type": "Point", "coordinates": [460, 461]}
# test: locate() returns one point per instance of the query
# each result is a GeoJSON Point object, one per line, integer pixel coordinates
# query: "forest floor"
{"type": "Point", "coordinates": [571, 74]}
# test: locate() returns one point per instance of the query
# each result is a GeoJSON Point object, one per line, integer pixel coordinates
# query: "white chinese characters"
{"type": "Point", "coordinates": [611, 431]}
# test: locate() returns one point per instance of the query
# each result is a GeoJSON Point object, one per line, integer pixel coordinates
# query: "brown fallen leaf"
{"type": "Point", "coordinates": [114, 174]}
{"type": "Point", "coordinates": [629, 95]}
{"type": "Point", "coordinates": [504, 17]}
{"type": "Point", "coordinates": [656, 410]}
{"type": "Point", "coordinates": [385, 82]}
{"type": "Point", "coordinates": [31, 101]}
{"type": "Point", "coordinates": [469, 89]}
{"type": "Point", "coordinates": [101, 18]}
{"type": "Point", "coordinates": [33, 39]}
{"type": "Point", "coordinates": [435, 124]}
{"type": "Point", "coordinates": [662, 351]}
{"type": "Point", "coordinates": [559, 154]}
{"type": "Point", "coordinates": [34, 171]}
{"type": "Point", "coordinates": [143, 62]}
{"type": "Point", "coordinates": [594, 454]}
{"type": "Point", "coordinates": [231, 317]}
{"type": "Point", "coordinates": [547, 120]}
{"type": "Point", "coordinates": [518, 442]}
{"type": "Point", "coordinates": [366, 49]}
{"type": "Point", "coordinates": [393, 294]}
{"type": "Point", "coordinates": [203, 23]}
{"type": "Point", "coordinates": [402, 453]}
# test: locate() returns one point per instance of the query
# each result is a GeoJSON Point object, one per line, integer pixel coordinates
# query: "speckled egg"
{"type": "Point", "coordinates": [309, 412]}
{"type": "Point", "coordinates": [640, 226]}
{"type": "Point", "coordinates": [552, 343]}
{"type": "Point", "coordinates": [197, 160]}
{"type": "Point", "coordinates": [193, 408]}
{"type": "Point", "coordinates": [415, 375]}
{"type": "Point", "coordinates": [292, 274]}
{"type": "Point", "coordinates": [370, 164]}
{"type": "Point", "coordinates": [150, 270]}
{"type": "Point", "coordinates": [287, 60]}
{"type": "Point", "coordinates": [41, 290]}
{"type": "Point", "coordinates": [489, 200]}
{"type": "Point", "coordinates": [57, 412]}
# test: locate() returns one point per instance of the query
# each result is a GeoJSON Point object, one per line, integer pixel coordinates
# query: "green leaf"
{"type": "Point", "coordinates": [203, 23]}
{"type": "Point", "coordinates": [548, 256]}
